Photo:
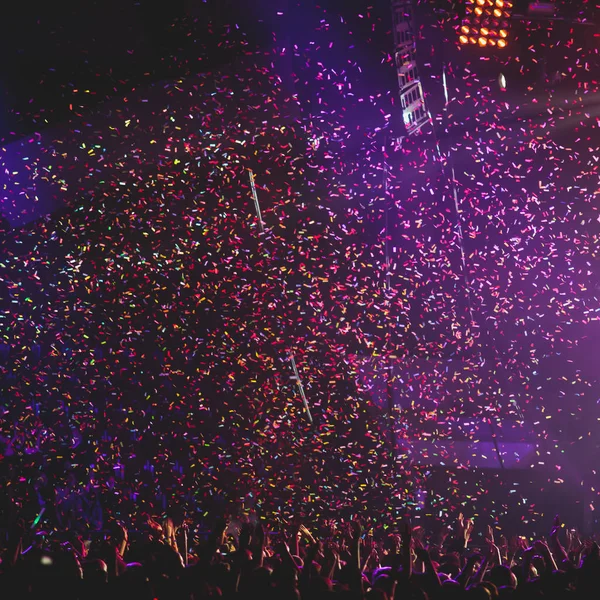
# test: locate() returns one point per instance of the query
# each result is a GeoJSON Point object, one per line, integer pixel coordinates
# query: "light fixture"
{"type": "Point", "coordinates": [486, 23]}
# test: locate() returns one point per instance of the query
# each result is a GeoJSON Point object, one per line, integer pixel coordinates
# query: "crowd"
{"type": "Point", "coordinates": [243, 558]}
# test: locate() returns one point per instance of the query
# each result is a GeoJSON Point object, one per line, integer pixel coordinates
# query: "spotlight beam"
{"type": "Point", "coordinates": [300, 388]}
{"type": "Point", "coordinates": [261, 224]}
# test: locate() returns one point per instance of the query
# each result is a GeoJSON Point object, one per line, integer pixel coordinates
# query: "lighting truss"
{"type": "Point", "coordinates": [412, 99]}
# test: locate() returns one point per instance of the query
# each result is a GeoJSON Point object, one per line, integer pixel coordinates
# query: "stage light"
{"type": "Point", "coordinates": [501, 43]}
{"type": "Point", "coordinates": [463, 39]}
{"type": "Point", "coordinates": [486, 20]}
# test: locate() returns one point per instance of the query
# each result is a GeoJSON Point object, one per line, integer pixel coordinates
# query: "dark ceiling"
{"type": "Point", "coordinates": [69, 54]}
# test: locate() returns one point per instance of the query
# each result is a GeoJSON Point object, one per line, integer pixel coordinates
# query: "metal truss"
{"type": "Point", "coordinates": [412, 100]}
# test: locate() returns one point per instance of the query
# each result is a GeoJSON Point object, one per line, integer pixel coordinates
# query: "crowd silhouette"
{"type": "Point", "coordinates": [245, 557]}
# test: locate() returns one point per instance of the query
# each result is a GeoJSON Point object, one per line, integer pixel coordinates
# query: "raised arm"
{"type": "Point", "coordinates": [430, 570]}
{"type": "Point", "coordinates": [354, 564]}
{"type": "Point", "coordinates": [215, 540]}
{"type": "Point", "coordinates": [467, 571]}
{"type": "Point", "coordinates": [406, 550]}
{"type": "Point", "coordinates": [542, 549]}
{"type": "Point", "coordinates": [558, 552]}
{"type": "Point", "coordinates": [259, 544]}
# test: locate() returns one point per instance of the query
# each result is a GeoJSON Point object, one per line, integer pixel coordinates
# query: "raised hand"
{"type": "Point", "coordinates": [356, 530]}
{"type": "Point", "coordinates": [542, 549]}
{"type": "Point", "coordinates": [494, 554]}
{"type": "Point", "coordinates": [259, 533]}
{"type": "Point", "coordinates": [490, 535]}
{"type": "Point", "coordinates": [332, 558]}
{"type": "Point", "coordinates": [556, 525]}
{"type": "Point", "coordinates": [418, 534]}
{"type": "Point", "coordinates": [465, 528]}
{"type": "Point", "coordinates": [368, 543]}
{"type": "Point", "coordinates": [406, 532]}
{"type": "Point", "coordinates": [282, 547]}
{"type": "Point", "coordinates": [330, 528]}
{"type": "Point", "coordinates": [245, 536]}
{"type": "Point", "coordinates": [306, 533]}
